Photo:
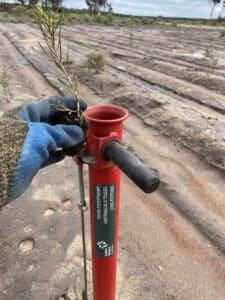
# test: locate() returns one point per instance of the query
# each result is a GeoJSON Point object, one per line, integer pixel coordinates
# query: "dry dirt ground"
{"type": "Point", "coordinates": [172, 243]}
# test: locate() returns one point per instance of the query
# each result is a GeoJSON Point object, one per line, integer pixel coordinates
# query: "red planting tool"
{"type": "Point", "coordinates": [106, 158]}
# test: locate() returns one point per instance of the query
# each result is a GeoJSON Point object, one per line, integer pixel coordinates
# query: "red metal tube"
{"type": "Point", "coordinates": [104, 184]}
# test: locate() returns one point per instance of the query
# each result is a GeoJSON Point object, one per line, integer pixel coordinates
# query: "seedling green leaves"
{"type": "Point", "coordinates": [50, 25]}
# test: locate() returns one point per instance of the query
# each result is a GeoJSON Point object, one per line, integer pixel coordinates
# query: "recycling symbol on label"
{"type": "Point", "coordinates": [102, 245]}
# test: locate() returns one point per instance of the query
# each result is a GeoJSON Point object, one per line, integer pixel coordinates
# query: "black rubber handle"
{"type": "Point", "coordinates": [136, 170]}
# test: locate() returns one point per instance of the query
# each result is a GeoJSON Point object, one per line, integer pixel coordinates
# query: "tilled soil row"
{"type": "Point", "coordinates": [203, 77]}
{"type": "Point", "coordinates": [203, 135]}
{"type": "Point", "coordinates": [180, 54]}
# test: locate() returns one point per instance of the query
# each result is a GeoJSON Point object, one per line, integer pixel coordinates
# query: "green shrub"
{"type": "Point", "coordinates": [110, 18]}
{"type": "Point", "coordinates": [71, 18]}
{"type": "Point", "coordinates": [145, 21]}
{"type": "Point", "coordinates": [107, 21]}
{"type": "Point", "coordinates": [210, 52]}
{"type": "Point", "coordinates": [20, 10]}
{"type": "Point", "coordinates": [86, 18]}
{"type": "Point", "coordinates": [95, 60]}
{"type": "Point", "coordinates": [4, 16]}
{"type": "Point", "coordinates": [30, 12]}
{"type": "Point", "coordinates": [138, 21]}
{"type": "Point", "coordinates": [125, 21]}
{"type": "Point", "coordinates": [100, 19]}
{"type": "Point", "coordinates": [174, 24]}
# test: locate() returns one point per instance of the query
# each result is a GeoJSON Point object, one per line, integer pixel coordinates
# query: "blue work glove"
{"type": "Point", "coordinates": [45, 139]}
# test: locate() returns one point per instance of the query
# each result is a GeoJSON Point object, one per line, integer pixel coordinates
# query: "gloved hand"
{"type": "Point", "coordinates": [44, 140]}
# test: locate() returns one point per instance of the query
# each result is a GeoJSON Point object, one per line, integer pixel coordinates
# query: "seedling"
{"type": "Point", "coordinates": [131, 37]}
{"type": "Point", "coordinates": [50, 25]}
{"type": "Point", "coordinates": [212, 55]}
{"type": "Point", "coordinates": [5, 79]}
{"type": "Point", "coordinates": [95, 60]}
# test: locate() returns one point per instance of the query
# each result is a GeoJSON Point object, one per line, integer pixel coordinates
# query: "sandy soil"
{"type": "Point", "coordinates": [175, 248]}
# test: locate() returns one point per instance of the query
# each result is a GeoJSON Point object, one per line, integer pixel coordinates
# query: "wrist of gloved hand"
{"type": "Point", "coordinates": [44, 139]}
{"type": "Point", "coordinates": [40, 150]}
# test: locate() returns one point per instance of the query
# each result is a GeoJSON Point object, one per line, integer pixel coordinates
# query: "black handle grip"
{"type": "Point", "coordinates": [137, 171]}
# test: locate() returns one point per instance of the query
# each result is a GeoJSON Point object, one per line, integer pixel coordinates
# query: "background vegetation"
{"type": "Point", "coordinates": [23, 13]}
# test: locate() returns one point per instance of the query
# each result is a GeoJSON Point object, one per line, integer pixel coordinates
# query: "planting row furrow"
{"type": "Point", "coordinates": [188, 92]}
{"type": "Point", "coordinates": [188, 60]}
{"type": "Point", "coordinates": [203, 77]}
{"type": "Point", "coordinates": [155, 38]}
{"type": "Point", "coordinates": [191, 94]}
{"type": "Point", "coordinates": [178, 87]}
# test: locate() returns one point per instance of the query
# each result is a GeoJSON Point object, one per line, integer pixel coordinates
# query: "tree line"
{"type": "Point", "coordinates": [45, 3]}
{"type": "Point", "coordinates": [93, 5]}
